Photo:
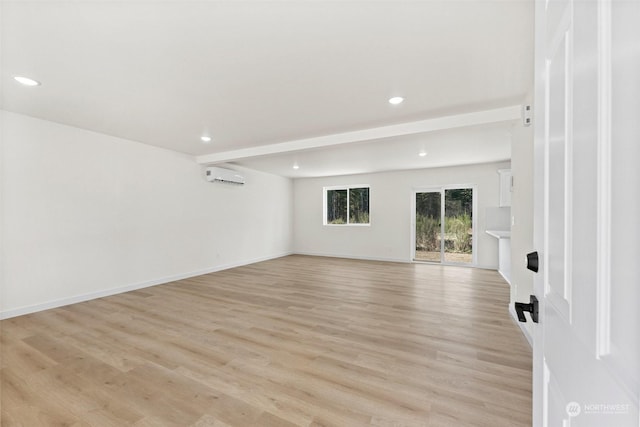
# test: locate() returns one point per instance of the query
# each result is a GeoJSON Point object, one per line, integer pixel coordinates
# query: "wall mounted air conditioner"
{"type": "Point", "coordinates": [214, 173]}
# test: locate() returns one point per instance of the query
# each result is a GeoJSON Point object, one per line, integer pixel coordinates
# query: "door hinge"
{"type": "Point", "coordinates": [527, 115]}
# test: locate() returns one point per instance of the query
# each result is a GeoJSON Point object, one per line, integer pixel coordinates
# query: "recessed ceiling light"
{"type": "Point", "coordinates": [396, 100]}
{"type": "Point", "coordinates": [296, 167]}
{"type": "Point", "coordinates": [422, 153]}
{"type": "Point", "coordinates": [205, 138]}
{"type": "Point", "coordinates": [26, 81]}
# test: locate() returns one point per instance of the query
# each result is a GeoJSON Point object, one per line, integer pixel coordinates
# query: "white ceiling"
{"type": "Point", "coordinates": [257, 73]}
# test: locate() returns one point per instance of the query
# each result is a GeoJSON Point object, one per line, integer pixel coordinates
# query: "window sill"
{"type": "Point", "coordinates": [347, 225]}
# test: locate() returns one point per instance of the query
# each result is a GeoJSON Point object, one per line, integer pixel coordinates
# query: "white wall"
{"type": "Point", "coordinates": [389, 236]}
{"type": "Point", "coordinates": [522, 211]}
{"type": "Point", "coordinates": [86, 215]}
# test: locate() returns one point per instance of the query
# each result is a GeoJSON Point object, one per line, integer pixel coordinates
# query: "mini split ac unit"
{"type": "Point", "coordinates": [223, 175]}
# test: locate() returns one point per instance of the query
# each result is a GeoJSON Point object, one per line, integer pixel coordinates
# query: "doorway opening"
{"type": "Point", "coordinates": [444, 225]}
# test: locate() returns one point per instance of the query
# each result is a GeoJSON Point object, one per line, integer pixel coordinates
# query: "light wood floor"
{"type": "Point", "coordinates": [302, 341]}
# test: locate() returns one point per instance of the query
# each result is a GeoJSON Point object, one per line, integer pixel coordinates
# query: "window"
{"type": "Point", "coordinates": [346, 205]}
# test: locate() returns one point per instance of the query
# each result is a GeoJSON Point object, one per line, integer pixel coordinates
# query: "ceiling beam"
{"type": "Point", "coordinates": [429, 125]}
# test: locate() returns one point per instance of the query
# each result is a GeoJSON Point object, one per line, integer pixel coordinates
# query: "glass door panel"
{"type": "Point", "coordinates": [428, 227]}
{"type": "Point", "coordinates": [458, 225]}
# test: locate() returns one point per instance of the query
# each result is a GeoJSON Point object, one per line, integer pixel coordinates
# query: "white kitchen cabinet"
{"type": "Point", "coordinates": [506, 182]}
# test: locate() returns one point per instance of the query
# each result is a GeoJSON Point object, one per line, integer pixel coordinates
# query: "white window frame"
{"type": "Point", "coordinates": [348, 188]}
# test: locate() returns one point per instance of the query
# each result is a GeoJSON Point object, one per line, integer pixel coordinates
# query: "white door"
{"type": "Point", "coordinates": [587, 213]}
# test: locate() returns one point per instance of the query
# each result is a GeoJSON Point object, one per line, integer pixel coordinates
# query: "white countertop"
{"type": "Point", "coordinates": [499, 234]}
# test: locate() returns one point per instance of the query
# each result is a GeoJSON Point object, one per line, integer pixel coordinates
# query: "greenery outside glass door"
{"type": "Point", "coordinates": [444, 226]}
{"type": "Point", "coordinates": [428, 226]}
{"type": "Point", "coordinates": [458, 225]}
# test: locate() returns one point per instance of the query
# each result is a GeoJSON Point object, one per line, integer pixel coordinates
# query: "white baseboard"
{"type": "Point", "coordinates": [524, 330]}
{"type": "Point", "coordinates": [486, 267]}
{"type": "Point", "coordinates": [7, 314]}
{"type": "Point", "coordinates": [363, 258]}
{"type": "Point", "coordinates": [368, 258]}
{"type": "Point", "coordinates": [505, 277]}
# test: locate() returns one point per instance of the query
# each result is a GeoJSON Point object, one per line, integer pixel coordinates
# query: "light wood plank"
{"type": "Point", "coordinates": [296, 341]}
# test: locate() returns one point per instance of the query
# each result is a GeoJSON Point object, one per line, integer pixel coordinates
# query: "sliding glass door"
{"type": "Point", "coordinates": [458, 225]}
{"type": "Point", "coordinates": [428, 226]}
{"type": "Point", "coordinates": [443, 221]}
